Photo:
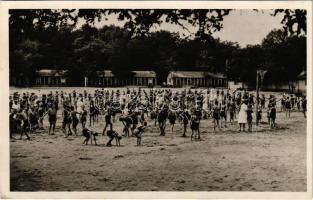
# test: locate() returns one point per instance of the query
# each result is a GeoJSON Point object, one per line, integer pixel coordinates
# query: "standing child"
{"type": "Point", "coordinates": [162, 120]}
{"type": "Point", "coordinates": [172, 119]}
{"type": "Point", "coordinates": [138, 133]}
{"type": "Point", "coordinates": [134, 117]}
{"type": "Point", "coordinates": [67, 120]}
{"type": "Point", "coordinates": [216, 115]}
{"type": "Point", "coordinates": [107, 121]}
{"type": "Point", "coordinates": [52, 115]}
{"type": "Point", "coordinates": [83, 117]}
{"type": "Point", "coordinates": [303, 105]}
{"type": "Point", "coordinates": [232, 111]}
{"type": "Point", "coordinates": [287, 107]}
{"type": "Point", "coordinates": [75, 120]}
{"type": "Point", "coordinates": [249, 117]}
{"type": "Point", "coordinates": [92, 113]}
{"type": "Point", "coordinates": [272, 116]}
{"type": "Point", "coordinates": [194, 125]}
{"type": "Point", "coordinates": [298, 101]}
{"type": "Point", "coordinates": [185, 119]}
{"type": "Point", "coordinates": [22, 116]}
{"type": "Point", "coordinates": [223, 114]}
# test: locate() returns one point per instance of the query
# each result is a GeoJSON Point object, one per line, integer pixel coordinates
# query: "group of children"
{"type": "Point", "coordinates": [134, 107]}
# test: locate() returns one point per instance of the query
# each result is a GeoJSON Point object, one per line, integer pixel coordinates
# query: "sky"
{"type": "Point", "coordinates": [246, 27]}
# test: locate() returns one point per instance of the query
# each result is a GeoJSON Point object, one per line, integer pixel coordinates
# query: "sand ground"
{"type": "Point", "coordinates": [264, 160]}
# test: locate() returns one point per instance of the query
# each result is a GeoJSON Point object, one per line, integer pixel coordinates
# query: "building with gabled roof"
{"type": "Point", "coordinates": [196, 79]}
{"type": "Point", "coordinates": [50, 77]}
{"type": "Point", "coordinates": [107, 78]}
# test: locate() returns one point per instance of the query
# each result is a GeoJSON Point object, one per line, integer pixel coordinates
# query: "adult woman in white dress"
{"type": "Point", "coordinates": [242, 116]}
{"type": "Point", "coordinates": [80, 104]}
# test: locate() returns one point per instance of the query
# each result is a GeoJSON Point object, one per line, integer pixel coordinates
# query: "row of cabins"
{"type": "Point", "coordinates": [107, 78]}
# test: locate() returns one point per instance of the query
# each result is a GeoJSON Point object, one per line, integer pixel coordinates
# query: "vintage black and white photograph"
{"type": "Point", "coordinates": [150, 99]}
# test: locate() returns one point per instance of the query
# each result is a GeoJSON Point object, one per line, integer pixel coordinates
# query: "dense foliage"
{"type": "Point", "coordinates": [47, 39]}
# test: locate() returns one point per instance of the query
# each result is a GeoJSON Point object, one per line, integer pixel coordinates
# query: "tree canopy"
{"type": "Point", "coordinates": [48, 39]}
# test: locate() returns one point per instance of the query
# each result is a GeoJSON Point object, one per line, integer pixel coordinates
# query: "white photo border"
{"type": "Point", "coordinates": [4, 100]}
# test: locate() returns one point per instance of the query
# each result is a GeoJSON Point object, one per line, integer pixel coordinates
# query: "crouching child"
{"type": "Point", "coordinates": [113, 135]}
{"type": "Point", "coordinates": [89, 135]}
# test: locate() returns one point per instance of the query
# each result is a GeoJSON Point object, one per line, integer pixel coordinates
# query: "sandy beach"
{"type": "Point", "coordinates": [264, 160]}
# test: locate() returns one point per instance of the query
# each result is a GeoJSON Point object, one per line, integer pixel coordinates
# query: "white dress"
{"type": "Point", "coordinates": [242, 116]}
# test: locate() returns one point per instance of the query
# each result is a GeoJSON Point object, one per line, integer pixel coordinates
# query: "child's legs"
{"type": "Point", "coordinates": [64, 127]}
{"type": "Point", "coordinates": [50, 126]}
{"type": "Point", "coordinates": [27, 134]}
{"type": "Point", "coordinates": [160, 127]}
{"type": "Point", "coordinates": [69, 128]}
{"type": "Point", "coordinates": [215, 124]}
{"type": "Point", "coordinates": [104, 129]}
{"type": "Point", "coordinates": [53, 127]}
{"type": "Point", "coordinates": [164, 126]}
{"type": "Point", "coordinates": [109, 142]}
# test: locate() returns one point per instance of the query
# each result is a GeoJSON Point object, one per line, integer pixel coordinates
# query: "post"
{"type": "Point", "coordinates": [257, 99]}
{"type": "Point", "coordinates": [86, 81]}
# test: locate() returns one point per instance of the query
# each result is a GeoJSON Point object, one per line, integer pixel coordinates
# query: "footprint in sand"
{"type": "Point", "coordinates": [118, 156]}
{"type": "Point", "coordinates": [103, 179]}
{"type": "Point", "coordinates": [219, 180]}
{"type": "Point", "coordinates": [247, 184]}
{"type": "Point", "coordinates": [84, 158]}
{"type": "Point", "coordinates": [180, 181]}
{"type": "Point", "coordinates": [19, 156]}
{"type": "Point", "coordinates": [45, 157]}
